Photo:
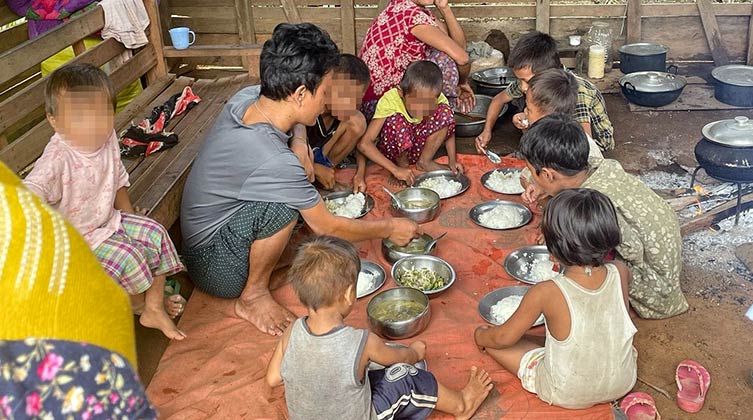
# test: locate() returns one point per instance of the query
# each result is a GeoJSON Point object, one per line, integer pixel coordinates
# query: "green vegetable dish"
{"type": "Point", "coordinates": [422, 279]}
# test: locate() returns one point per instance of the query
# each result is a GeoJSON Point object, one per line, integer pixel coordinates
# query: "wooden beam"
{"type": "Point", "coordinates": [383, 4]}
{"type": "Point", "coordinates": [542, 16]}
{"type": "Point", "coordinates": [348, 26]}
{"type": "Point", "coordinates": [634, 13]}
{"type": "Point", "coordinates": [79, 47]}
{"type": "Point", "coordinates": [713, 36]}
{"type": "Point", "coordinates": [246, 31]}
{"type": "Point", "coordinates": [214, 51]}
{"type": "Point", "coordinates": [291, 11]}
{"type": "Point", "coordinates": [749, 61]}
{"type": "Point", "coordinates": [154, 34]}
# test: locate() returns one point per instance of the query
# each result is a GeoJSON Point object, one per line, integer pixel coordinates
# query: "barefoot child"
{"type": "Point", "coordinates": [411, 122]}
{"type": "Point", "coordinates": [80, 174]}
{"type": "Point", "coordinates": [589, 356]}
{"type": "Point", "coordinates": [323, 362]}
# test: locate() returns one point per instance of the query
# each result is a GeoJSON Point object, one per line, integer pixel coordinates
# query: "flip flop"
{"type": "Point", "coordinates": [172, 294]}
{"type": "Point", "coordinates": [693, 381]}
{"type": "Point", "coordinates": [639, 406]}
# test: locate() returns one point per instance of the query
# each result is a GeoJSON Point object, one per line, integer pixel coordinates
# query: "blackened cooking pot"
{"type": "Point", "coordinates": [643, 56]}
{"type": "Point", "coordinates": [652, 88]}
{"type": "Point", "coordinates": [726, 150]}
{"type": "Point", "coordinates": [734, 84]}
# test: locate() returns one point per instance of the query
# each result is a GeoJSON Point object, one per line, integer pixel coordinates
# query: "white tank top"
{"type": "Point", "coordinates": [597, 361]}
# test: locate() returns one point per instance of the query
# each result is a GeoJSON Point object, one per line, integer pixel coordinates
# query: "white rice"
{"type": "Point", "coordinates": [501, 217]}
{"type": "Point", "coordinates": [505, 183]}
{"type": "Point", "coordinates": [442, 185]}
{"type": "Point", "coordinates": [503, 309]}
{"type": "Point", "coordinates": [365, 283]}
{"type": "Point", "coordinates": [541, 270]}
{"type": "Point", "coordinates": [350, 206]}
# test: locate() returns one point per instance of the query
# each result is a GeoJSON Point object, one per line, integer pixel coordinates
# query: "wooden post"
{"type": "Point", "coordinates": [749, 61]}
{"type": "Point", "coordinates": [245, 28]}
{"type": "Point", "coordinates": [79, 47]}
{"type": "Point", "coordinates": [348, 26]}
{"type": "Point", "coordinates": [155, 38]}
{"type": "Point", "coordinates": [633, 21]}
{"type": "Point", "coordinates": [291, 11]}
{"type": "Point", "coordinates": [542, 16]}
{"type": "Point", "coordinates": [713, 36]}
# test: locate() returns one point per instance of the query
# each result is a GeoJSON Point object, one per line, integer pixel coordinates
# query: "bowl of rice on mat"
{"type": "Point", "coordinates": [531, 264]}
{"type": "Point", "coordinates": [399, 313]}
{"type": "Point", "coordinates": [503, 181]}
{"type": "Point", "coordinates": [444, 182]}
{"type": "Point", "coordinates": [370, 278]}
{"type": "Point", "coordinates": [500, 215]}
{"type": "Point", "coordinates": [347, 204]}
{"type": "Point", "coordinates": [426, 273]}
{"type": "Point", "coordinates": [499, 305]}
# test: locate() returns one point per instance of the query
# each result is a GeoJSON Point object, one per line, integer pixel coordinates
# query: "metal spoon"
{"type": "Point", "coordinates": [394, 198]}
{"type": "Point", "coordinates": [493, 157]}
{"type": "Point", "coordinates": [433, 242]}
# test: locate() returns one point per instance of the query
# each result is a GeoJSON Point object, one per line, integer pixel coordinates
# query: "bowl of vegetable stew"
{"type": "Point", "coordinates": [427, 273]}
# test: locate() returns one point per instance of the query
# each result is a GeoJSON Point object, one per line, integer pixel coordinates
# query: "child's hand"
{"type": "Point", "coordinates": [325, 176]}
{"type": "Point", "coordinates": [139, 210]}
{"type": "Point", "coordinates": [405, 175]}
{"type": "Point", "coordinates": [457, 168]}
{"type": "Point", "coordinates": [480, 330]}
{"type": "Point", "coordinates": [359, 183]}
{"type": "Point", "coordinates": [441, 4]}
{"type": "Point", "coordinates": [420, 348]}
{"type": "Point", "coordinates": [532, 194]}
{"type": "Point", "coordinates": [520, 121]}
{"type": "Point", "coordinates": [482, 140]}
{"type": "Point", "coordinates": [466, 98]}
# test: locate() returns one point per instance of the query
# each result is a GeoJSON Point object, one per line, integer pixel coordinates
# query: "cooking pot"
{"type": "Point", "coordinates": [492, 81]}
{"type": "Point", "coordinates": [652, 88]}
{"type": "Point", "coordinates": [734, 84]}
{"type": "Point", "coordinates": [643, 56]}
{"type": "Point", "coordinates": [726, 150]}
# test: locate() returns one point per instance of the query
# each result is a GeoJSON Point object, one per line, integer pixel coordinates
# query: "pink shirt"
{"type": "Point", "coordinates": [81, 186]}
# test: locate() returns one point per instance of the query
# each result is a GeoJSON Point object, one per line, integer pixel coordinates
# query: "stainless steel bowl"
{"type": "Point", "coordinates": [491, 299]}
{"type": "Point", "coordinates": [399, 329]}
{"type": "Point", "coordinates": [436, 264]}
{"type": "Point", "coordinates": [479, 209]}
{"type": "Point", "coordinates": [486, 176]}
{"type": "Point", "coordinates": [464, 127]}
{"type": "Point", "coordinates": [338, 196]}
{"type": "Point", "coordinates": [463, 179]}
{"type": "Point", "coordinates": [413, 194]}
{"type": "Point", "coordinates": [375, 270]}
{"type": "Point", "coordinates": [518, 263]}
{"type": "Point", "coordinates": [392, 252]}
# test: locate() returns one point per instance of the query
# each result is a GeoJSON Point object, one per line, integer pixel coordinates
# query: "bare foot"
{"type": "Point", "coordinates": [158, 319]}
{"type": "Point", "coordinates": [174, 305]}
{"type": "Point", "coordinates": [478, 387]}
{"type": "Point", "coordinates": [430, 166]}
{"type": "Point", "coordinates": [265, 313]}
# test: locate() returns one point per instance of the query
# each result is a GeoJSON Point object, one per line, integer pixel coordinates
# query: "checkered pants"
{"type": "Point", "coordinates": [140, 250]}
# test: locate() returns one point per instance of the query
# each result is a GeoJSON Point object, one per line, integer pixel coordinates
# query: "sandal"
{"type": "Point", "coordinates": [639, 406]}
{"type": "Point", "coordinates": [172, 295]}
{"type": "Point", "coordinates": [693, 381]}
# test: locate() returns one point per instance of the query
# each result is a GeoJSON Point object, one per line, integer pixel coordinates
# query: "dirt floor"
{"type": "Point", "coordinates": [713, 332]}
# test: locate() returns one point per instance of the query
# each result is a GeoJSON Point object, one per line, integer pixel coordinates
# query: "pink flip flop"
{"type": "Point", "coordinates": [639, 406]}
{"type": "Point", "coordinates": [693, 381]}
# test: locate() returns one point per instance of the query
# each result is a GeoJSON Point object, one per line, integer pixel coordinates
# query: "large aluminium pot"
{"type": "Point", "coordinates": [726, 150]}
{"type": "Point", "coordinates": [492, 81]}
{"type": "Point", "coordinates": [643, 56]}
{"type": "Point", "coordinates": [734, 84]}
{"type": "Point", "coordinates": [652, 88]}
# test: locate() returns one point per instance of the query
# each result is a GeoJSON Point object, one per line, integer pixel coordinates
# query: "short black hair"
{"type": "Point", "coordinates": [558, 142]}
{"type": "Point", "coordinates": [536, 50]}
{"type": "Point", "coordinates": [322, 270]}
{"type": "Point", "coordinates": [297, 54]}
{"type": "Point", "coordinates": [354, 68]}
{"type": "Point", "coordinates": [77, 78]}
{"type": "Point", "coordinates": [422, 73]}
{"type": "Point", "coordinates": [580, 227]}
{"type": "Point", "coordinates": [554, 91]}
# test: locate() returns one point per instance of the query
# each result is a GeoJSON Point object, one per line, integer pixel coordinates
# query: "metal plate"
{"type": "Point", "coordinates": [380, 276]}
{"type": "Point", "coordinates": [421, 364]}
{"type": "Point", "coordinates": [518, 263]}
{"type": "Point", "coordinates": [485, 179]}
{"type": "Point", "coordinates": [734, 74]}
{"type": "Point", "coordinates": [477, 211]}
{"type": "Point", "coordinates": [465, 183]}
{"type": "Point", "coordinates": [491, 298]}
{"type": "Point", "coordinates": [341, 195]}
{"type": "Point", "coordinates": [495, 76]}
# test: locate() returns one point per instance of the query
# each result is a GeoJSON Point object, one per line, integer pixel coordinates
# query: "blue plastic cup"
{"type": "Point", "coordinates": [179, 36]}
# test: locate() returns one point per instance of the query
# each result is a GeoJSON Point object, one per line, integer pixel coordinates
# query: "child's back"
{"type": "Point", "coordinates": [597, 361]}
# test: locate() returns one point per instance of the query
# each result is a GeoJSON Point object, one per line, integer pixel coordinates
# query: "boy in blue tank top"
{"type": "Point", "coordinates": [323, 363]}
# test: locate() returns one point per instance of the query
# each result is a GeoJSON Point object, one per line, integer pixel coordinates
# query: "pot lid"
{"type": "Point", "coordinates": [654, 81]}
{"type": "Point", "coordinates": [495, 76]}
{"type": "Point", "coordinates": [643, 49]}
{"type": "Point", "coordinates": [734, 74]}
{"type": "Point", "coordinates": [737, 132]}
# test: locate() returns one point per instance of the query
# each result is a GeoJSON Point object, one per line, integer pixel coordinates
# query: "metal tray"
{"type": "Point", "coordinates": [478, 210]}
{"type": "Point", "coordinates": [341, 195]}
{"type": "Point", "coordinates": [518, 263]}
{"type": "Point", "coordinates": [380, 276]}
{"type": "Point", "coordinates": [495, 76]}
{"type": "Point", "coordinates": [485, 178]}
{"type": "Point", "coordinates": [491, 298]}
{"type": "Point", "coordinates": [464, 181]}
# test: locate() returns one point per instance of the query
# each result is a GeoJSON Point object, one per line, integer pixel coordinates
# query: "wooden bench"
{"type": "Point", "coordinates": [156, 181]}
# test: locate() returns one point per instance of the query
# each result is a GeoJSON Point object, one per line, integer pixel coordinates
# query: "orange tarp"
{"type": "Point", "coordinates": [218, 371]}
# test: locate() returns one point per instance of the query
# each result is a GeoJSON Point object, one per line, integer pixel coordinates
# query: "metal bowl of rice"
{"type": "Point", "coordinates": [500, 215]}
{"type": "Point", "coordinates": [347, 204]}
{"type": "Point", "coordinates": [498, 305]}
{"type": "Point", "coordinates": [370, 278]}
{"type": "Point", "coordinates": [531, 264]}
{"type": "Point", "coordinates": [444, 182]}
{"type": "Point", "coordinates": [503, 181]}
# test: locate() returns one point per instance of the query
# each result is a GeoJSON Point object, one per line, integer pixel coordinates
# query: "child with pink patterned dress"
{"type": "Point", "coordinates": [410, 124]}
{"type": "Point", "coordinates": [81, 175]}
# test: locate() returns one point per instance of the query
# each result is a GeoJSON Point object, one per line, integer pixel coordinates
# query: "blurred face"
{"type": "Point", "coordinates": [312, 104]}
{"type": "Point", "coordinates": [84, 119]}
{"type": "Point", "coordinates": [524, 75]}
{"type": "Point", "coordinates": [421, 102]}
{"type": "Point", "coordinates": [533, 112]}
{"type": "Point", "coordinates": [546, 180]}
{"type": "Point", "coordinates": [345, 97]}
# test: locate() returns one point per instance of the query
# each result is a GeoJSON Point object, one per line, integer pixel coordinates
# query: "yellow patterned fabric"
{"type": "Point", "coordinates": [51, 285]}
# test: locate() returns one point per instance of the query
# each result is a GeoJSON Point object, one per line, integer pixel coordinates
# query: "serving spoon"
{"type": "Point", "coordinates": [394, 198]}
{"type": "Point", "coordinates": [433, 242]}
{"type": "Point", "coordinates": [493, 157]}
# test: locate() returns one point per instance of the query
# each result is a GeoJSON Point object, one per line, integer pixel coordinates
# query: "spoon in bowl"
{"type": "Point", "coordinates": [397, 201]}
{"type": "Point", "coordinates": [433, 242]}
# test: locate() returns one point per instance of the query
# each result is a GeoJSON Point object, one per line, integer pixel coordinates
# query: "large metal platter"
{"type": "Point", "coordinates": [421, 364]}
{"type": "Point", "coordinates": [495, 76]}
{"type": "Point", "coordinates": [465, 183]}
{"type": "Point", "coordinates": [491, 298]}
{"type": "Point", "coordinates": [477, 211]}
{"type": "Point", "coordinates": [485, 179]}
{"type": "Point", "coordinates": [341, 195]}
{"type": "Point", "coordinates": [380, 276]}
{"type": "Point", "coordinates": [518, 263]}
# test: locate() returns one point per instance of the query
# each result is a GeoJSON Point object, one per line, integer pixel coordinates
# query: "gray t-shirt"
{"type": "Point", "coordinates": [239, 163]}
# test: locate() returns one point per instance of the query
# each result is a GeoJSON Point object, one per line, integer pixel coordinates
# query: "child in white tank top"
{"type": "Point", "coordinates": [589, 356]}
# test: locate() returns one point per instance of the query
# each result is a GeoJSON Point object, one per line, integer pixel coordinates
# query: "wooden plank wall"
{"type": "Point", "coordinates": [676, 25]}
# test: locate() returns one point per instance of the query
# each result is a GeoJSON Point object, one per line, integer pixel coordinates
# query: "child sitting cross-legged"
{"type": "Point", "coordinates": [81, 175]}
{"type": "Point", "coordinates": [410, 124]}
{"type": "Point", "coordinates": [589, 356]}
{"type": "Point", "coordinates": [323, 362]}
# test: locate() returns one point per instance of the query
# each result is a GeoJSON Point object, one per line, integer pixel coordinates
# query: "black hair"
{"type": "Point", "coordinates": [323, 269]}
{"type": "Point", "coordinates": [580, 227]}
{"type": "Point", "coordinates": [77, 78]}
{"type": "Point", "coordinates": [422, 73]}
{"type": "Point", "coordinates": [554, 91]}
{"type": "Point", "coordinates": [354, 68]}
{"type": "Point", "coordinates": [297, 54]}
{"type": "Point", "coordinates": [558, 142]}
{"type": "Point", "coordinates": [536, 50]}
